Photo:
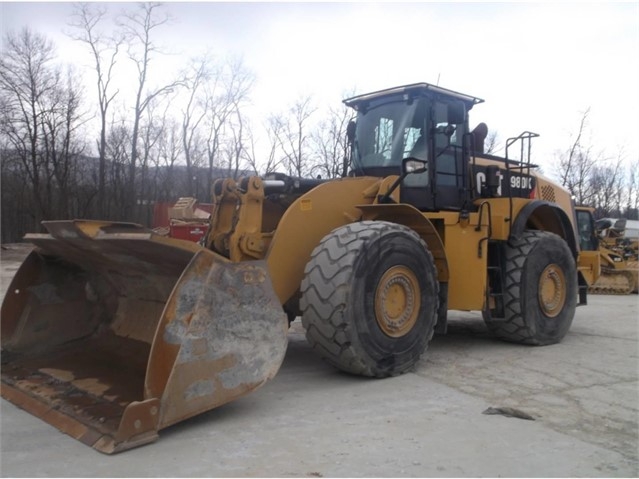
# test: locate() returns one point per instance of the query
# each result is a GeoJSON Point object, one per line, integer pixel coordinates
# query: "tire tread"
{"type": "Point", "coordinates": [514, 327]}
{"type": "Point", "coordinates": [325, 289]}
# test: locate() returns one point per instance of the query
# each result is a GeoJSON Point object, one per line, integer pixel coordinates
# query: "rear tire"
{"type": "Point", "coordinates": [540, 290]}
{"type": "Point", "coordinates": [369, 298]}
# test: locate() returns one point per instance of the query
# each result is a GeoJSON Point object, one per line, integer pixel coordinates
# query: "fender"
{"type": "Point", "coordinates": [306, 221]}
{"type": "Point", "coordinates": [410, 216]}
{"type": "Point", "coordinates": [546, 216]}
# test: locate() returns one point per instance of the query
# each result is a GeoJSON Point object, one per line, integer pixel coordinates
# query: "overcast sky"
{"type": "Point", "coordinates": [537, 65]}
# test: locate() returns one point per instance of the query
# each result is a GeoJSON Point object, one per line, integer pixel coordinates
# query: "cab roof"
{"type": "Point", "coordinates": [414, 89]}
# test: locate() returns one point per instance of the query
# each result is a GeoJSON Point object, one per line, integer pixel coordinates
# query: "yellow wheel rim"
{"type": "Point", "coordinates": [397, 301]}
{"type": "Point", "coordinates": [552, 290]}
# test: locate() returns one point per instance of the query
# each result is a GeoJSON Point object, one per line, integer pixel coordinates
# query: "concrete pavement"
{"type": "Point", "coordinates": [313, 421]}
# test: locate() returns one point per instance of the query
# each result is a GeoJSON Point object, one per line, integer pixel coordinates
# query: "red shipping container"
{"type": "Point", "coordinates": [188, 232]}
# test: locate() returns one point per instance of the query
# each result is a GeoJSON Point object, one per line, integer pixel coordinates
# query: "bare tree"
{"type": "Point", "coordinates": [139, 28]}
{"type": "Point", "coordinates": [86, 20]}
{"type": "Point", "coordinates": [151, 132]}
{"type": "Point", "coordinates": [606, 182]}
{"type": "Point", "coordinates": [40, 120]}
{"type": "Point", "coordinates": [272, 160]}
{"type": "Point", "coordinates": [118, 151]}
{"type": "Point", "coordinates": [330, 144]}
{"type": "Point", "coordinates": [61, 120]}
{"type": "Point", "coordinates": [293, 134]}
{"type": "Point", "coordinates": [16, 196]}
{"type": "Point", "coordinates": [27, 78]}
{"type": "Point", "coordinates": [632, 194]}
{"type": "Point", "coordinates": [193, 114]}
{"type": "Point", "coordinates": [170, 151]}
{"type": "Point", "coordinates": [492, 144]}
{"type": "Point", "coordinates": [225, 94]}
{"type": "Point", "coordinates": [577, 164]}
{"type": "Point", "coordinates": [235, 145]}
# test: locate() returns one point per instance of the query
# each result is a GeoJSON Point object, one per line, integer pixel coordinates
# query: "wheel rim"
{"type": "Point", "coordinates": [552, 290]}
{"type": "Point", "coordinates": [397, 301]}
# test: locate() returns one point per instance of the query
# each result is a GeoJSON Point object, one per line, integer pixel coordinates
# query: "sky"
{"type": "Point", "coordinates": [538, 66]}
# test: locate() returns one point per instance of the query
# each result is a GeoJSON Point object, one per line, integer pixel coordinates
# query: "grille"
{"type": "Point", "coordinates": [548, 193]}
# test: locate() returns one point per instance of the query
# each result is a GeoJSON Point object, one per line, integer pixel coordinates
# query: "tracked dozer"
{"type": "Point", "coordinates": [619, 265]}
{"type": "Point", "coordinates": [111, 333]}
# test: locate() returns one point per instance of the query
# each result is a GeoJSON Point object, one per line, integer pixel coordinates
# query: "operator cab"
{"type": "Point", "coordinates": [421, 126]}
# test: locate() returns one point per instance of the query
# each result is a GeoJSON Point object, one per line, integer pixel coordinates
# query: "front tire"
{"type": "Point", "coordinates": [540, 289]}
{"type": "Point", "coordinates": [369, 298]}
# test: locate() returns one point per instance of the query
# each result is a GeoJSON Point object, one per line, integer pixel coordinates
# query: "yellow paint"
{"type": "Point", "coordinates": [286, 235]}
{"type": "Point", "coordinates": [300, 231]}
{"type": "Point", "coordinates": [590, 265]}
{"type": "Point", "coordinates": [467, 270]}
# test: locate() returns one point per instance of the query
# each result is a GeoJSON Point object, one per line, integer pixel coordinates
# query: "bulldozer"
{"type": "Point", "coordinates": [112, 333]}
{"type": "Point", "coordinates": [619, 262]}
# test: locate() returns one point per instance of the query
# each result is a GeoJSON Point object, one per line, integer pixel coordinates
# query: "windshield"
{"type": "Point", "coordinates": [388, 132]}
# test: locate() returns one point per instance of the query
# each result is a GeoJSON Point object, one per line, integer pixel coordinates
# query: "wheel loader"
{"type": "Point", "coordinates": [112, 333]}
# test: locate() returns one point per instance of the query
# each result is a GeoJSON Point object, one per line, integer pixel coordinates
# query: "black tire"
{"type": "Point", "coordinates": [540, 290]}
{"type": "Point", "coordinates": [369, 298]}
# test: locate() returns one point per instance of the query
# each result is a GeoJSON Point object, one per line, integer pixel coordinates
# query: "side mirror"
{"type": "Point", "coordinates": [410, 166]}
{"type": "Point", "coordinates": [447, 130]}
{"type": "Point", "coordinates": [456, 112]}
{"type": "Point", "coordinates": [350, 131]}
{"type": "Point", "coordinates": [414, 166]}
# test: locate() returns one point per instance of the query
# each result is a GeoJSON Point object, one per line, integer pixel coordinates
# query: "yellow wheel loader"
{"type": "Point", "coordinates": [111, 333]}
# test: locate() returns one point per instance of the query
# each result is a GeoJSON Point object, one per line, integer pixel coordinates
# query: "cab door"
{"type": "Point", "coordinates": [589, 262]}
{"type": "Point", "coordinates": [448, 126]}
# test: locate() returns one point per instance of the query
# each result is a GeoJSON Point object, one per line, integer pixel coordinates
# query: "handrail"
{"type": "Point", "coordinates": [523, 163]}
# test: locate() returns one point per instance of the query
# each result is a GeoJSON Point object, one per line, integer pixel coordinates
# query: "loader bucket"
{"type": "Point", "coordinates": [111, 333]}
